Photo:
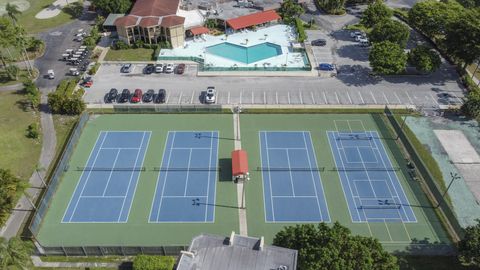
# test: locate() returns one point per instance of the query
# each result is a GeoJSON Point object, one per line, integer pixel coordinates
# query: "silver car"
{"type": "Point", "coordinates": [210, 95]}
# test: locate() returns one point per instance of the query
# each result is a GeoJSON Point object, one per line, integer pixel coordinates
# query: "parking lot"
{"type": "Point", "coordinates": [354, 88]}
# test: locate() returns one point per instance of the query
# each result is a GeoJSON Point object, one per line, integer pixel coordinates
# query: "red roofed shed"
{"type": "Point", "coordinates": [253, 19]}
{"type": "Point", "coordinates": [199, 30]}
{"type": "Point", "coordinates": [239, 164]}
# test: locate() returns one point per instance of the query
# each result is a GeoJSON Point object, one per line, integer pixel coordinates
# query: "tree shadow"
{"type": "Point", "coordinates": [75, 10]}
{"type": "Point", "coordinates": [356, 75]}
{"type": "Point", "coordinates": [353, 52]}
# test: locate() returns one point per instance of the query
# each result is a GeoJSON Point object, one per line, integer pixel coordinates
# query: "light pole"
{"type": "Point", "coordinates": [454, 176]}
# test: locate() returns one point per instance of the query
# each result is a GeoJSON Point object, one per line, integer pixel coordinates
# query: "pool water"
{"type": "Point", "coordinates": [243, 54]}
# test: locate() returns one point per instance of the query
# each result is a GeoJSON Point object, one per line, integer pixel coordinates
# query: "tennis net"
{"type": "Point", "coordinates": [353, 137]}
{"type": "Point", "coordinates": [127, 169]}
{"type": "Point", "coordinates": [187, 169]}
{"type": "Point", "coordinates": [321, 169]}
{"type": "Point", "coordinates": [366, 169]}
{"type": "Point", "coordinates": [380, 206]}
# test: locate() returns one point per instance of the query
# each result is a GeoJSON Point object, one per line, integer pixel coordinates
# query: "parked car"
{"type": "Point", "coordinates": [111, 96]}
{"type": "Point", "coordinates": [326, 66]}
{"type": "Point", "coordinates": [148, 96]}
{"type": "Point", "coordinates": [87, 82]}
{"type": "Point", "coordinates": [137, 96]}
{"type": "Point", "coordinates": [125, 96]}
{"type": "Point", "coordinates": [126, 68]}
{"type": "Point", "coordinates": [169, 68]}
{"type": "Point", "coordinates": [363, 42]}
{"type": "Point", "coordinates": [149, 69]}
{"type": "Point", "coordinates": [160, 97]}
{"type": "Point", "coordinates": [73, 72]}
{"type": "Point", "coordinates": [159, 68]}
{"type": "Point", "coordinates": [180, 68]}
{"type": "Point", "coordinates": [319, 42]}
{"type": "Point", "coordinates": [51, 74]}
{"type": "Point", "coordinates": [357, 33]}
{"type": "Point", "coordinates": [210, 95]}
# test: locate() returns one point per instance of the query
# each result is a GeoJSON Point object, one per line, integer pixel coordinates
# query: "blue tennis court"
{"type": "Point", "coordinates": [186, 184]}
{"type": "Point", "coordinates": [292, 187]}
{"type": "Point", "coordinates": [369, 180]}
{"type": "Point", "coordinates": [107, 184]}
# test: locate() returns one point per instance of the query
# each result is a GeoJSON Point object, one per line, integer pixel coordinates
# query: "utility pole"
{"type": "Point", "coordinates": [454, 176]}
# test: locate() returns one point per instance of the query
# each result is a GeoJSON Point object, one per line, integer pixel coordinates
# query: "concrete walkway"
{"type": "Point", "coordinates": [54, 9]}
{"type": "Point", "coordinates": [13, 87]}
{"type": "Point", "coordinates": [37, 262]}
{"type": "Point", "coordinates": [242, 212]}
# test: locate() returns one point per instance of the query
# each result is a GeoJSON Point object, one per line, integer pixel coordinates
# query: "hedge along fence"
{"type": "Point", "coordinates": [302, 36]}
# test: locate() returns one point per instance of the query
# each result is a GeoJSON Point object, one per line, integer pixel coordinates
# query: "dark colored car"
{"type": "Point", "coordinates": [126, 68]}
{"type": "Point", "coordinates": [148, 96]}
{"type": "Point", "coordinates": [137, 96]}
{"type": "Point", "coordinates": [319, 42]}
{"type": "Point", "coordinates": [112, 95]}
{"type": "Point", "coordinates": [326, 66]}
{"type": "Point", "coordinates": [124, 96]}
{"type": "Point", "coordinates": [180, 68]}
{"type": "Point", "coordinates": [160, 97]}
{"type": "Point", "coordinates": [149, 69]}
{"type": "Point", "coordinates": [87, 82]}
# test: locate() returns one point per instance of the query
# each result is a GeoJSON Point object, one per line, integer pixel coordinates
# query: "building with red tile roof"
{"type": "Point", "coordinates": [254, 19]}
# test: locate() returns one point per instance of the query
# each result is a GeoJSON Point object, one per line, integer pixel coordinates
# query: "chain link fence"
{"type": "Point", "coordinates": [57, 174]}
{"type": "Point", "coordinates": [113, 250]}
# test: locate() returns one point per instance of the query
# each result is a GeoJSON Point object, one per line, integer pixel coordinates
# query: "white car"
{"type": "Point", "coordinates": [169, 68]}
{"type": "Point", "coordinates": [51, 74]}
{"type": "Point", "coordinates": [355, 33]}
{"type": "Point", "coordinates": [210, 95]}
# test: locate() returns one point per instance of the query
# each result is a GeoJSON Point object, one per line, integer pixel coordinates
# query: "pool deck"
{"type": "Point", "coordinates": [282, 35]}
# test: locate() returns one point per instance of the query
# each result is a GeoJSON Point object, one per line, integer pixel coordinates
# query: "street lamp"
{"type": "Point", "coordinates": [454, 176]}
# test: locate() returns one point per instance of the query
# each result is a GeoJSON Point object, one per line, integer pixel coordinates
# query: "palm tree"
{"type": "Point", "coordinates": [15, 252]}
{"type": "Point", "coordinates": [12, 11]}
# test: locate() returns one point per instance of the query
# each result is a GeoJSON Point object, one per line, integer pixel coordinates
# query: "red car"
{"type": "Point", "coordinates": [137, 96]}
{"type": "Point", "coordinates": [87, 82]}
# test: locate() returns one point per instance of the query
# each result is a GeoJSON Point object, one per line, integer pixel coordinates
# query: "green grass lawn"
{"type": "Point", "coordinates": [19, 153]}
{"type": "Point", "coordinates": [140, 54]}
{"type": "Point", "coordinates": [32, 25]}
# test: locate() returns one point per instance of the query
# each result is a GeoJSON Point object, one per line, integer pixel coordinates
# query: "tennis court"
{"type": "Point", "coordinates": [108, 181]}
{"type": "Point", "coordinates": [185, 189]}
{"type": "Point", "coordinates": [292, 187]}
{"type": "Point", "coordinates": [372, 189]}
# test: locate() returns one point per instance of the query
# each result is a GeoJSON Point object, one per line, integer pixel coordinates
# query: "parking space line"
{"type": "Point", "coordinates": [191, 99]}
{"type": "Point", "coordinates": [434, 100]}
{"type": "Point", "coordinates": [349, 98]}
{"type": "Point", "coordinates": [399, 101]}
{"type": "Point", "coordinates": [459, 99]}
{"type": "Point", "coordinates": [276, 96]}
{"type": "Point", "coordinates": [336, 96]}
{"type": "Point", "coordinates": [313, 98]}
{"type": "Point", "coordinates": [180, 98]}
{"type": "Point", "coordinates": [385, 97]}
{"type": "Point", "coordinates": [301, 98]}
{"type": "Point", "coordinates": [288, 96]}
{"type": "Point", "coordinates": [228, 98]}
{"type": "Point", "coordinates": [361, 97]}
{"type": "Point", "coordinates": [373, 97]}
{"type": "Point", "coordinates": [409, 98]}
{"type": "Point", "coordinates": [325, 98]}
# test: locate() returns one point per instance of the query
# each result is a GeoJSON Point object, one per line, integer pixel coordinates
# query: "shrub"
{"type": "Point", "coordinates": [32, 93]}
{"type": "Point", "coordinates": [301, 30]}
{"type": "Point", "coordinates": [387, 58]}
{"type": "Point", "coordinates": [32, 131]}
{"type": "Point", "coordinates": [390, 30]}
{"type": "Point", "coordinates": [94, 69]}
{"type": "Point", "coordinates": [120, 45]}
{"type": "Point", "coordinates": [64, 100]}
{"type": "Point", "coordinates": [424, 59]}
{"type": "Point", "coordinates": [11, 187]}
{"type": "Point", "coordinates": [147, 262]}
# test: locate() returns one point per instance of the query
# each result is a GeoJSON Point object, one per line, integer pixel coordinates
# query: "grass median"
{"type": "Point", "coordinates": [139, 54]}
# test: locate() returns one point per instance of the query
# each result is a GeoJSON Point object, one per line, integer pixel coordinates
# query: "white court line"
{"type": "Point", "coordinates": [292, 197]}
{"type": "Point", "coordinates": [111, 172]}
{"type": "Point", "coordinates": [119, 148]}
{"type": "Point", "coordinates": [131, 175]}
{"type": "Point", "coordinates": [188, 148]}
{"type": "Point", "coordinates": [166, 174]}
{"type": "Point", "coordinates": [313, 178]}
{"type": "Point", "coordinates": [283, 148]}
{"type": "Point", "coordinates": [269, 176]}
{"type": "Point", "coordinates": [101, 197]}
{"type": "Point", "coordinates": [88, 178]}
{"type": "Point", "coordinates": [189, 196]}
{"type": "Point", "coordinates": [290, 172]}
{"type": "Point", "coordinates": [188, 172]}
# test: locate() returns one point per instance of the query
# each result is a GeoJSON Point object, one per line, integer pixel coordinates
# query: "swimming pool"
{"type": "Point", "coordinates": [243, 54]}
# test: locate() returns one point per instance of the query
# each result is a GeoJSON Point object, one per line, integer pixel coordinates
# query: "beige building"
{"type": "Point", "coordinates": [152, 21]}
